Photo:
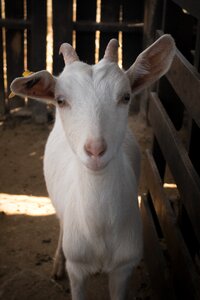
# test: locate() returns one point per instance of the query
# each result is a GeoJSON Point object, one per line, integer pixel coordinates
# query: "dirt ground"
{"type": "Point", "coordinates": [28, 225]}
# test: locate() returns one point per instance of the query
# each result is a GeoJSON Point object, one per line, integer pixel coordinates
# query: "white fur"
{"type": "Point", "coordinates": [98, 210]}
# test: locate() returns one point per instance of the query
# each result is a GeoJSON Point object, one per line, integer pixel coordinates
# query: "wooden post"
{"type": "Point", "coordinates": [62, 30]}
{"type": "Point", "coordinates": [85, 41]}
{"type": "Point", "coordinates": [2, 86]}
{"type": "Point", "coordinates": [110, 10]}
{"type": "Point", "coordinates": [14, 48]}
{"type": "Point", "coordinates": [133, 11]}
{"type": "Point", "coordinates": [37, 13]}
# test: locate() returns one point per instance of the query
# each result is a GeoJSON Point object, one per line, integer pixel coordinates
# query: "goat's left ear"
{"type": "Point", "coordinates": [40, 85]}
{"type": "Point", "coordinates": [152, 63]}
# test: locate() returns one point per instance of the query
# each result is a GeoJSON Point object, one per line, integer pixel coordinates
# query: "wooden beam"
{"type": "Point", "coordinates": [10, 23]}
{"type": "Point", "coordinates": [88, 26]}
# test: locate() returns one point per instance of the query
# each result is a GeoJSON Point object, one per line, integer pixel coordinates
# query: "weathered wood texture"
{"type": "Point", "coordinates": [154, 257]}
{"type": "Point", "coordinates": [132, 41]}
{"type": "Point", "coordinates": [187, 180]}
{"type": "Point", "coordinates": [14, 48]}
{"type": "Point", "coordinates": [85, 41]}
{"type": "Point", "coordinates": [182, 267]}
{"type": "Point", "coordinates": [110, 12]}
{"type": "Point", "coordinates": [173, 108]}
{"type": "Point", "coordinates": [37, 14]}
{"type": "Point", "coordinates": [62, 30]}
{"type": "Point", "coordinates": [2, 89]}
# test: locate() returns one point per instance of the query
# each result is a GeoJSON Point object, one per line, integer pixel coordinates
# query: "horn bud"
{"type": "Point", "coordinates": [68, 52]}
{"type": "Point", "coordinates": [111, 52]}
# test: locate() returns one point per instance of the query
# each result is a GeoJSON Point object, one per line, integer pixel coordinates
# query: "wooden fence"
{"type": "Point", "coordinates": [24, 34]}
{"type": "Point", "coordinates": [171, 208]}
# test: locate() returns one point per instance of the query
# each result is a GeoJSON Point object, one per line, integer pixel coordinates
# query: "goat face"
{"type": "Point", "coordinates": [93, 104]}
{"type": "Point", "coordinates": [93, 101]}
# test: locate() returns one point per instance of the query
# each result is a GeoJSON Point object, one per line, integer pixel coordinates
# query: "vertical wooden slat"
{"type": "Point", "coordinates": [37, 13]}
{"type": "Point", "coordinates": [133, 11]}
{"type": "Point", "coordinates": [85, 41]}
{"type": "Point", "coordinates": [14, 47]}
{"type": "Point", "coordinates": [152, 20]}
{"type": "Point", "coordinates": [110, 10]}
{"type": "Point", "coordinates": [154, 258]}
{"type": "Point", "coordinates": [2, 91]}
{"type": "Point", "coordinates": [62, 30]}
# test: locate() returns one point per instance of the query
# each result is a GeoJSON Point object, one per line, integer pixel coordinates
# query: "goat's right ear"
{"type": "Point", "coordinates": [40, 85]}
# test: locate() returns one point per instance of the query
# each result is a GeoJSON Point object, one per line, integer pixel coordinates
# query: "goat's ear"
{"type": "Point", "coordinates": [152, 63]}
{"type": "Point", "coordinates": [40, 85]}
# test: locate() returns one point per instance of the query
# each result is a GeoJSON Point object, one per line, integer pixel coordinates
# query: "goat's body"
{"type": "Point", "coordinates": [92, 161]}
{"type": "Point", "coordinates": [98, 212]}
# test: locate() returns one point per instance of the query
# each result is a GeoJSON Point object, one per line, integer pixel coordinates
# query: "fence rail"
{"type": "Point", "coordinates": [174, 158]}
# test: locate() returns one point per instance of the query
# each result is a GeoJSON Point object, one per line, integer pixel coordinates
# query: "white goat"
{"type": "Point", "coordinates": [92, 161]}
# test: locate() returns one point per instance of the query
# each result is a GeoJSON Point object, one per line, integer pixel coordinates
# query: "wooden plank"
{"type": "Point", "coordinates": [187, 283]}
{"type": "Point", "coordinates": [152, 20]}
{"type": "Point", "coordinates": [186, 82]}
{"type": "Point", "coordinates": [62, 30]}
{"type": "Point", "coordinates": [85, 41]}
{"type": "Point", "coordinates": [133, 11]}
{"type": "Point", "coordinates": [14, 23]}
{"type": "Point", "coordinates": [2, 89]}
{"type": "Point", "coordinates": [110, 12]}
{"type": "Point", "coordinates": [88, 26]}
{"type": "Point", "coordinates": [154, 258]}
{"type": "Point", "coordinates": [37, 14]}
{"type": "Point", "coordinates": [14, 48]}
{"type": "Point", "coordinates": [180, 165]}
{"type": "Point", "coordinates": [192, 7]}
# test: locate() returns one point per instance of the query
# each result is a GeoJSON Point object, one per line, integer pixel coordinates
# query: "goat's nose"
{"type": "Point", "coordinates": [95, 148]}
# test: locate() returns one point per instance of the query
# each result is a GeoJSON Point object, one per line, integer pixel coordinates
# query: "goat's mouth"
{"type": "Point", "coordinates": [95, 165]}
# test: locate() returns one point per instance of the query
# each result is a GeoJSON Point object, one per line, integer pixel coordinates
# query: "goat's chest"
{"type": "Point", "coordinates": [96, 223]}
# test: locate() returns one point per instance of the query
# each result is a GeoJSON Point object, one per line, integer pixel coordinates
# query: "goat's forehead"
{"type": "Point", "coordinates": [81, 74]}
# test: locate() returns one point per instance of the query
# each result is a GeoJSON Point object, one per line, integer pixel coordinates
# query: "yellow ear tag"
{"type": "Point", "coordinates": [27, 73]}
{"type": "Point", "coordinates": [24, 74]}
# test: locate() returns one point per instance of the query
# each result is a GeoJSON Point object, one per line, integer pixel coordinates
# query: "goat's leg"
{"type": "Point", "coordinates": [118, 280]}
{"type": "Point", "coordinates": [77, 281]}
{"type": "Point", "coordinates": [58, 271]}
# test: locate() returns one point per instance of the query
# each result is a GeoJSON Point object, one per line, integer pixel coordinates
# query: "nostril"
{"type": "Point", "coordinates": [95, 148]}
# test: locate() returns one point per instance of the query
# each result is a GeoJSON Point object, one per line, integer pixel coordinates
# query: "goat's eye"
{"type": "Point", "coordinates": [61, 102]}
{"type": "Point", "coordinates": [125, 99]}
